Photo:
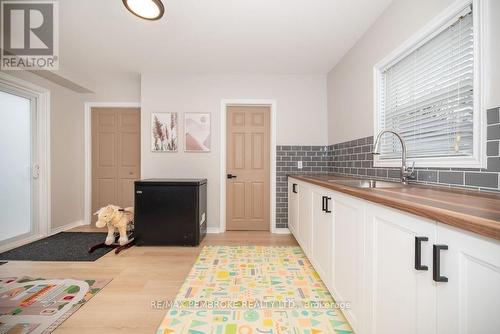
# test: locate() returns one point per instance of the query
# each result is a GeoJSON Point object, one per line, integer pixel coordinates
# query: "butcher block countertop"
{"type": "Point", "coordinates": [469, 210]}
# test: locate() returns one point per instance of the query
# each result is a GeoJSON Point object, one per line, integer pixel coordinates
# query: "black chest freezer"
{"type": "Point", "coordinates": [170, 212]}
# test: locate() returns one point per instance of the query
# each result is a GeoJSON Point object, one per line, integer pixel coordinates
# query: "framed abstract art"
{"type": "Point", "coordinates": [197, 132]}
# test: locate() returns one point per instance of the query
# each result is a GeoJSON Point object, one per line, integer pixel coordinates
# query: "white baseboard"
{"type": "Point", "coordinates": [216, 230]}
{"type": "Point", "coordinates": [213, 230]}
{"type": "Point", "coordinates": [67, 227]}
{"type": "Point", "coordinates": [19, 243]}
{"type": "Point", "coordinates": [281, 231]}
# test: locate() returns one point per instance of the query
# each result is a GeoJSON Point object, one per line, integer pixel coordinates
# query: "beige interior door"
{"type": "Point", "coordinates": [248, 161]}
{"type": "Point", "coordinates": [116, 156]}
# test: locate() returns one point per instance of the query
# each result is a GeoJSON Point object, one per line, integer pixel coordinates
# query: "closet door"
{"type": "Point", "coordinates": [115, 156]}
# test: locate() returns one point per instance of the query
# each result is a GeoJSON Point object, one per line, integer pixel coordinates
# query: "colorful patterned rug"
{"type": "Point", "coordinates": [38, 305]}
{"type": "Point", "coordinates": [253, 289]}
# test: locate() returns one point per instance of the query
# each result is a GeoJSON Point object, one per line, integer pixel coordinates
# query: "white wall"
{"type": "Point", "coordinates": [301, 119]}
{"type": "Point", "coordinates": [115, 87]}
{"type": "Point", "coordinates": [350, 86]}
{"type": "Point", "coordinates": [493, 56]}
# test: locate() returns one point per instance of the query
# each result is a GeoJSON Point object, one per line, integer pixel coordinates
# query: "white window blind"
{"type": "Point", "coordinates": [427, 96]}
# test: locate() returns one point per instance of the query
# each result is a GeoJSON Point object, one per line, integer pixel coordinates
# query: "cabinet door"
{"type": "Point", "coordinates": [401, 298]}
{"type": "Point", "coordinates": [293, 206]}
{"type": "Point", "coordinates": [470, 301]}
{"type": "Point", "coordinates": [305, 218]}
{"type": "Point", "coordinates": [322, 234]}
{"type": "Point", "coordinates": [348, 256]}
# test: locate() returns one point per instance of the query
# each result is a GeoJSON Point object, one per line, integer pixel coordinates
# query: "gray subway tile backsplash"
{"type": "Point", "coordinates": [451, 177]}
{"type": "Point", "coordinates": [394, 173]}
{"type": "Point", "coordinates": [353, 158]}
{"type": "Point", "coordinates": [493, 132]}
{"type": "Point", "coordinates": [483, 180]}
{"type": "Point", "coordinates": [494, 164]}
{"type": "Point", "coordinates": [315, 159]}
{"type": "Point", "coordinates": [492, 148]}
{"type": "Point", "coordinates": [493, 116]}
{"type": "Point", "coordinates": [427, 175]}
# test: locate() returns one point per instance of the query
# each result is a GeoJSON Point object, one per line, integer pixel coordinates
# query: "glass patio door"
{"type": "Point", "coordinates": [18, 172]}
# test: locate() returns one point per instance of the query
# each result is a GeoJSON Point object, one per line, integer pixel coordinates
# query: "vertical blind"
{"type": "Point", "coordinates": [427, 96]}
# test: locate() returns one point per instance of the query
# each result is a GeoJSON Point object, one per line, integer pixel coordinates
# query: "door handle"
{"type": "Point", "coordinates": [35, 172]}
{"type": "Point", "coordinates": [436, 263]}
{"type": "Point", "coordinates": [294, 188]}
{"type": "Point", "coordinates": [231, 176]}
{"type": "Point", "coordinates": [418, 253]}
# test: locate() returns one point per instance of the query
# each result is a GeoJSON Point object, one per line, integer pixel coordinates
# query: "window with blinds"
{"type": "Point", "coordinates": [428, 96]}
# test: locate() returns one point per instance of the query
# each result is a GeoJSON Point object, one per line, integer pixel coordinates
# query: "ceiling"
{"type": "Point", "coordinates": [212, 36]}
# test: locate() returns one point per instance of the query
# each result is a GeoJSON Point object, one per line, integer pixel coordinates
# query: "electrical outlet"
{"type": "Point", "coordinates": [299, 164]}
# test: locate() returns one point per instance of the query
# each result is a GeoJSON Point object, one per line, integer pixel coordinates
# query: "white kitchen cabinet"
{"type": "Point", "coordinates": [469, 302]}
{"type": "Point", "coordinates": [347, 257]}
{"type": "Point", "coordinates": [304, 233]}
{"type": "Point", "coordinates": [293, 206]}
{"type": "Point", "coordinates": [322, 234]}
{"type": "Point", "coordinates": [401, 299]}
{"type": "Point", "coordinates": [381, 261]}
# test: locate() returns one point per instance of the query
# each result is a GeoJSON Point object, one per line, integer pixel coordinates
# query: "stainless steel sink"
{"type": "Point", "coordinates": [368, 183]}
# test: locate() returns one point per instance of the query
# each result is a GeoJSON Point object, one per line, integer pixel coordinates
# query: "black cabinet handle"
{"type": "Point", "coordinates": [326, 205]}
{"type": "Point", "coordinates": [418, 253]}
{"type": "Point", "coordinates": [231, 176]}
{"type": "Point", "coordinates": [294, 188]}
{"type": "Point", "coordinates": [436, 263]}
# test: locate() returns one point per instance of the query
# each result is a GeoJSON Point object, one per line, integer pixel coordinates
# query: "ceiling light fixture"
{"type": "Point", "coordinates": [145, 9]}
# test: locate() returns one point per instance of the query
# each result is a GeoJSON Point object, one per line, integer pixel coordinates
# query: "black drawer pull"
{"type": "Point", "coordinates": [231, 176]}
{"type": "Point", "coordinates": [323, 204]}
{"type": "Point", "coordinates": [294, 188]}
{"type": "Point", "coordinates": [418, 253]}
{"type": "Point", "coordinates": [436, 263]}
{"type": "Point", "coordinates": [326, 205]}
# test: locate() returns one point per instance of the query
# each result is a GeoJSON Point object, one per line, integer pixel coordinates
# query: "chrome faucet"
{"type": "Point", "coordinates": [406, 172]}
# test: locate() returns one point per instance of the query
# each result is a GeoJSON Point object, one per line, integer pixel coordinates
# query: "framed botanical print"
{"type": "Point", "coordinates": [164, 136]}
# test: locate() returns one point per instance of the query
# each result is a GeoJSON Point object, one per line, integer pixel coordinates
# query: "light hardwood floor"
{"type": "Point", "coordinates": [140, 276]}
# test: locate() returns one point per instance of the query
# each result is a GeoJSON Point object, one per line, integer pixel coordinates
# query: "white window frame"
{"type": "Point", "coordinates": [433, 28]}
